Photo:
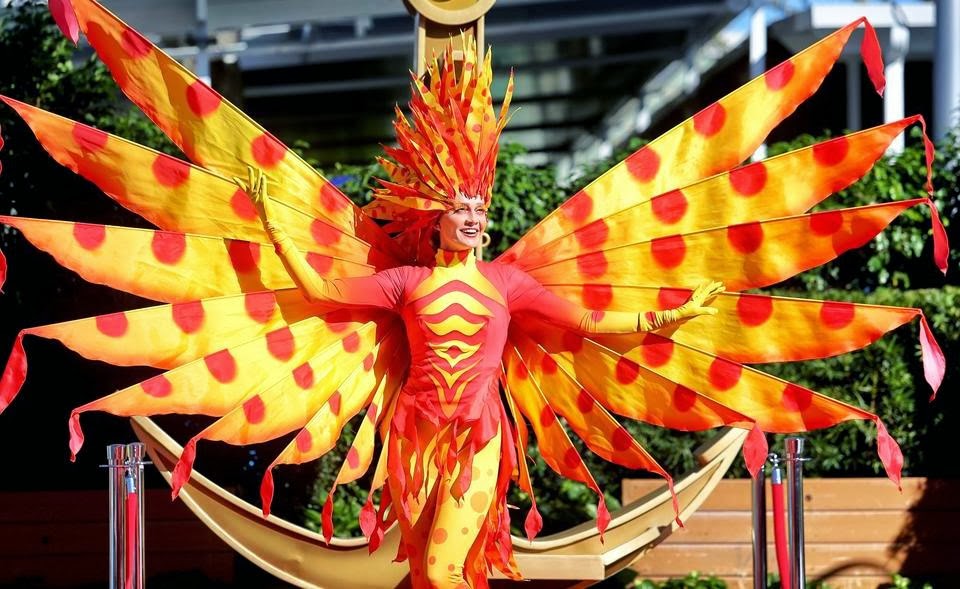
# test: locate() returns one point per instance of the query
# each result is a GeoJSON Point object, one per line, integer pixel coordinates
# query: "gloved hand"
{"type": "Point", "coordinates": [256, 189]}
{"type": "Point", "coordinates": [695, 306]}
{"type": "Point", "coordinates": [702, 296]}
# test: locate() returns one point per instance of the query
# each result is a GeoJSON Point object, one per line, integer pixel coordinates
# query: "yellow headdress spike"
{"type": "Point", "coordinates": [448, 146]}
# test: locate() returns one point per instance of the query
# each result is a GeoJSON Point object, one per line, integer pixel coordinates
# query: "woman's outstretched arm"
{"type": "Point", "coordinates": [528, 295]}
{"type": "Point", "coordinates": [383, 289]}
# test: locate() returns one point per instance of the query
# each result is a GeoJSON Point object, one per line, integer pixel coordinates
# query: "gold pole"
{"type": "Point", "coordinates": [437, 22]}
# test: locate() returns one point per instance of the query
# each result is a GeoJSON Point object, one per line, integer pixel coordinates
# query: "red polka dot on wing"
{"type": "Point", "coordinates": [170, 172]}
{"type": "Point", "coordinates": [320, 263]}
{"type": "Point", "coordinates": [331, 199]}
{"type": "Point", "coordinates": [188, 316]}
{"type": "Point", "coordinates": [112, 325]}
{"type": "Point", "coordinates": [241, 205]}
{"type": "Point", "coordinates": [368, 363]}
{"type": "Point", "coordinates": [168, 248]}
{"type": "Point", "coordinates": [335, 401]}
{"type": "Point", "coordinates": [353, 458]}
{"type": "Point", "coordinates": [260, 306]}
{"type": "Point", "coordinates": [683, 399]}
{"type": "Point", "coordinates": [267, 151]}
{"type": "Point", "coordinates": [89, 237]}
{"type": "Point", "coordinates": [158, 386]}
{"type": "Point", "coordinates": [222, 366]}
{"type": "Point", "coordinates": [254, 409]}
{"type": "Point", "coordinates": [281, 343]}
{"type": "Point", "coordinates": [779, 76]}
{"type": "Point", "coordinates": [724, 374]}
{"type": "Point", "coordinates": [303, 376]}
{"type": "Point", "coordinates": [571, 459]}
{"type": "Point", "coordinates": [643, 164]}
{"type": "Point", "coordinates": [669, 207]}
{"type": "Point", "coordinates": [593, 235]}
{"type": "Point", "coordinates": [244, 255]}
{"type": "Point", "coordinates": [578, 208]}
{"type": "Point", "coordinates": [626, 370]}
{"type": "Point", "coordinates": [710, 120]}
{"type": "Point", "coordinates": [548, 365]}
{"type": "Point", "coordinates": [597, 296]}
{"type": "Point", "coordinates": [351, 343]}
{"type": "Point", "coordinates": [597, 316]}
{"type": "Point", "coordinates": [748, 180]}
{"type": "Point", "coordinates": [202, 100]}
{"type": "Point", "coordinates": [746, 238]}
{"type": "Point", "coordinates": [796, 398]}
{"type": "Point", "coordinates": [592, 265]}
{"type": "Point", "coordinates": [547, 416]}
{"type": "Point", "coordinates": [656, 350]}
{"type": "Point", "coordinates": [304, 441]}
{"type": "Point", "coordinates": [521, 371]}
{"type": "Point", "coordinates": [754, 310]}
{"type": "Point", "coordinates": [88, 138]}
{"type": "Point", "coordinates": [831, 153]}
{"type": "Point", "coordinates": [323, 233]}
{"type": "Point", "coordinates": [439, 536]}
{"type": "Point", "coordinates": [585, 401]}
{"type": "Point", "coordinates": [622, 441]}
{"type": "Point", "coordinates": [826, 223]}
{"type": "Point", "coordinates": [671, 298]}
{"type": "Point", "coordinates": [668, 252]}
{"type": "Point", "coordinates": [837, 315]}
{"type": "Point", "coordinates": [134, 45]}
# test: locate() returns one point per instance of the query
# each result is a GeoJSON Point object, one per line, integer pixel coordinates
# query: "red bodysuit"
{"type": "Point", "coordinates": [448, 421]}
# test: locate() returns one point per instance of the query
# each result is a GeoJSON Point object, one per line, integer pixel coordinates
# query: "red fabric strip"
{"type": "Point", "coordinates": [181, 472]}
{"type": "Point", "coordinates": [755, 450]}
{"type": "Point", "coordinates": [76, 434]}
{"type": "Point", "coordinates": [534, 521]}
{"type": "Point", "coordinates": [890, 454]}
{"type": "Point", "coordinates": [3, 258]}
{"type": "Point", "coordinates": [941, 246]}
{"type": "Point", "coordinates": [14, 373]}
{"type": "Point", "coordinates": [872, 56]}
{"type": "Point", "coordinates": [266, 491]}
{"type": "Point", "coordinates": [326, 519]}
{"type": "Point", "coordinates": [66, 19]}
{"type": "Point", "coordinates": [934, 362]}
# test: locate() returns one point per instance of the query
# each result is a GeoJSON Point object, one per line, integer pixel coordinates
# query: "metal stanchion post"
{"type": "Point", "coordinates": [795, 460]}
{"type": "Point", "coordinates": [115, 460]}
{"type": "Point", "coordinates": [125, 465]}
{"type": "Point", "coordinates": [133, 483]}
{"type": "Point", "coordinates": [760, 530]}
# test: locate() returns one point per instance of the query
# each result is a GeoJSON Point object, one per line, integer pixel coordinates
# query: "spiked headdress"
{"type": "Point", "coordinates": [448, 146]}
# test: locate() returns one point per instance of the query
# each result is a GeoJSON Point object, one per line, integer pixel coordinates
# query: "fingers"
{"type": "Point", "coordinates": [251, 178]}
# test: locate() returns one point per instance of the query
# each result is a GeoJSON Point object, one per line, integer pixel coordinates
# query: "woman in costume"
{"type": "Point", "coordinates": [418, 352]}
{"type": "Point", "coordinates": [447, 453]}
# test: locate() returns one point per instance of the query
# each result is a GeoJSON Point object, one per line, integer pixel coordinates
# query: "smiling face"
{"type": "Point", "coordinates": [462, 227]}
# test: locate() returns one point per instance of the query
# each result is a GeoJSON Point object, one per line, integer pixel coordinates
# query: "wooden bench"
{"type": "Point", "coordinates": [858, 532]}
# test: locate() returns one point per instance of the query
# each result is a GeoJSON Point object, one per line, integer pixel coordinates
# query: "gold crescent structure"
{"type": "Point", "coordinates": [572, 558]}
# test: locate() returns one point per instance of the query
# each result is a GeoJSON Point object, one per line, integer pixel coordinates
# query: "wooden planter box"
{"type": "Point", "coordinates": [858, 532]}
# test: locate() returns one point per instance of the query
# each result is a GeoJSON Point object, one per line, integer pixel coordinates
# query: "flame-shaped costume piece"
{"type": "Point", "coordinates": [424, 346]}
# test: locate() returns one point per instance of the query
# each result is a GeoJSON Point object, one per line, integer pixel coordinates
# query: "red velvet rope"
{"type": "Point", "coordinates": [780, 533]}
